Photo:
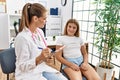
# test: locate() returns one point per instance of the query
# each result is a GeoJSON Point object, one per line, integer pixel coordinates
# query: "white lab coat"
{"type": "Point", "coordinates": [26, 52]}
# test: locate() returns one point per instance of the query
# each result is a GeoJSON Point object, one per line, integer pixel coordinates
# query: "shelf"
{"type": "Point", "coordinates": [15, 15]}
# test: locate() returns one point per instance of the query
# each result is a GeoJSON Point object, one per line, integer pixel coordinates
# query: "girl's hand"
{"type": "Point", "coordinates": [74, 67]}
{"type": "Point", "coordinates": [84, 66]}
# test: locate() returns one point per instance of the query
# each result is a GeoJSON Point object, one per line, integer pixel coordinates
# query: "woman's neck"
{"type": "Point", "coordinates": [32, 29]}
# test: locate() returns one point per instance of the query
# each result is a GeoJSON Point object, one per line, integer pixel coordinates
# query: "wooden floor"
{"type": "Point", "coordinates": [3, 76]}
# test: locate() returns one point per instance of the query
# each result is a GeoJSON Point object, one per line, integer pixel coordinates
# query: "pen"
{"type": "Point", "coordinates": [40, 48]}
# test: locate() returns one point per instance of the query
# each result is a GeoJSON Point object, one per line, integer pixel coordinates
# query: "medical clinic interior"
{"type": "Point", "coordinates": [99, 27]}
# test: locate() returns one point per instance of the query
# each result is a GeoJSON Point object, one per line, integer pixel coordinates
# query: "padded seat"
{"type": "Point", "coordinates": [7, 61]}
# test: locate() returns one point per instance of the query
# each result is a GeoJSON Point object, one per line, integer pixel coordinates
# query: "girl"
{"type": "Point", "coordinates": [74, 56]}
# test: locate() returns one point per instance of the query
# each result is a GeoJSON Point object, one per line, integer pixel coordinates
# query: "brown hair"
{"type": "Point", "coordinates": [76, 23]}
{"type": "Point", "coordinates": [30, 10]}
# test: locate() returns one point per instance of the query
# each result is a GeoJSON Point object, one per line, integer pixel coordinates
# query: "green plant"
{"type": "Point", "coordinates": [106, 26]}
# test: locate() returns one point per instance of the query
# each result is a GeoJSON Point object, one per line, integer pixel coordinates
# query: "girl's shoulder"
{"type": "Point", "coordinates": [62, 37]}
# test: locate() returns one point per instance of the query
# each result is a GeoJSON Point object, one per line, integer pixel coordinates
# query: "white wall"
{"type": "Point", "coordinates": [17, 5]}
{"type": "Point", "coordinates": [4, 31]}
{"type": "Point", "coordinates": [64, 11]}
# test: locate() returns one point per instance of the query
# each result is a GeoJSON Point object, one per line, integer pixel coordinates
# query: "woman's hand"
{"type": "Point", "coordinates": [43, 56]}
{"type": "Point", "coordinates": [45, 53]}
{"type": "Point", "coordinates": [84, 66]}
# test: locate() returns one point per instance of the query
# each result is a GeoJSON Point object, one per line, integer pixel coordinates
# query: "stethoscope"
{"type": "Point", "coordinates": [37, 40]}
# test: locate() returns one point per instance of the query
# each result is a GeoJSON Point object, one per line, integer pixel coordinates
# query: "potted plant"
{"type": "Point", "coordinates": [106, 26]}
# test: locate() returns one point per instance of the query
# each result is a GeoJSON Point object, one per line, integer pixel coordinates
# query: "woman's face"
{"type": "Point", "coordinates": [41, 21]}
{"type": "Point", "coordinates": [71, 29]}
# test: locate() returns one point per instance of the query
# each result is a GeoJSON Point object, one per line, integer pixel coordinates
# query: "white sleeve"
{"type": "Point", "coordinates": [23, 54]}
{"type": "Point", "coordinates": [81, 41]}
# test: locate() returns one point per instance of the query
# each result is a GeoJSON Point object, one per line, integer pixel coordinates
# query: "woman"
{"type": "Point", "coordinates": [30, 46]}
{"type": "Point", "coordinates": [74, 56]}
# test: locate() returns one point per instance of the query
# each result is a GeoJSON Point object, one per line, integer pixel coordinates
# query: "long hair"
{"type": "Point", "coordinates": [77, 34]}
{"type": "Point", "coordinates": [30, 10]}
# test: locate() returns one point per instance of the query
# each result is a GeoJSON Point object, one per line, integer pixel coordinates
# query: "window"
{"type": "Point", "coordinates": [83, 12]}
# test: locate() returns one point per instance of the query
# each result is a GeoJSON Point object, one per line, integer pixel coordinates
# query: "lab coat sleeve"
{"type": "Point", "coordinates": [23, 55]}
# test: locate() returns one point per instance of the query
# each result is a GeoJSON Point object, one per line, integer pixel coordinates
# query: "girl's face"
{"type": "Point", "coordinates": [71, 29]}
